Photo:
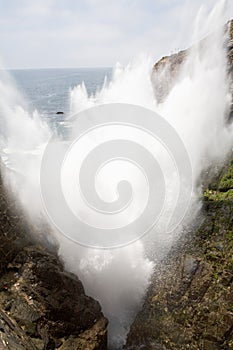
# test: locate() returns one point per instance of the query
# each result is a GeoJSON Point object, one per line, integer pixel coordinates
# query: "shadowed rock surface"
{"type": "Point", "coordinates": [42, 307]}
{"type": "Point", "coordinates": [190, 302]}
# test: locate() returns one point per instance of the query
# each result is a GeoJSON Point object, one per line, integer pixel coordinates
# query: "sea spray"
{"type": "Point", "coordinates": [23, 138]}
{"type": "Point", "coordinates": [196, 106]}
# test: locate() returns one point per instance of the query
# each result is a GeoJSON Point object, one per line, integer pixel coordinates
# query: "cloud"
{"type": "Point", "coordinates": [67, 33]}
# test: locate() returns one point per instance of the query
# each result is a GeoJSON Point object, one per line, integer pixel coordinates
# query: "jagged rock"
{"type": "Point", "coordinates": [45, 303]}
{"type": "Point", "coordinates": [189, 302]}
{"type": "Point", "coordinates": [42, 307]}
{"type": "Point", "coordinates": [14, 231]}
{"type": "Point", "coordinates": [92, 339]}
{"type": "Point", "coordinates": [168, 68]}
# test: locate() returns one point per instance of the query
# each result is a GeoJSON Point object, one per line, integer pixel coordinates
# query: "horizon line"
{"type": "Point", "coordinates": [41, 68]}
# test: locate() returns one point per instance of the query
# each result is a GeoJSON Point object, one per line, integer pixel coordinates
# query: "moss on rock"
{"type": "Point", "coordinates": [189, 304]}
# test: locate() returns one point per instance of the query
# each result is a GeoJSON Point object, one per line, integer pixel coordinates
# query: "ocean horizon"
{"type": "Point", "coordinates": [47, 89]}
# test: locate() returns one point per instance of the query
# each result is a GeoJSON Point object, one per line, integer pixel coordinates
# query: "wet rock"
{"type": "Point", "coordinates": [189, 302]}
{"type": "Point", "coordinates": [42, 307]}
{"type": "Point", "coordinates": [190, 265]}
{"type": "Point", "coordinates": [44, 302]}
{"type": "Point", "coordinates": [92, 339]}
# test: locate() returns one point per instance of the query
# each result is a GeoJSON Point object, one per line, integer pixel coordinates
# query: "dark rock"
{"type": "Point", "coordinates": [44, 302]}
{"type": "Point", "coordinates": [92, 339]}
{"type": "Point", "coordinates": [189, 302]}
{"type": "Point", "coordinates": [41, 305]}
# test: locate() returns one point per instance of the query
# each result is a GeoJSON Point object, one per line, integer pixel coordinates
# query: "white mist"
{"type": "Point", "coordinates": [196, 107]}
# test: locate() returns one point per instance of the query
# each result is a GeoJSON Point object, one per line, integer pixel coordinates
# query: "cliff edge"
{"type": "Point", "coordinates": [189, 302]}
{"type": "Point", "coordinates": [42, 307]}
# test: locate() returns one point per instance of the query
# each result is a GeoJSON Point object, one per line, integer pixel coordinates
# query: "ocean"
{"type": "Point", "coordinates": [47, 90]}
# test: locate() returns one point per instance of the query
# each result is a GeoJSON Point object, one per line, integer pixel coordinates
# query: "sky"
{"type": "Point", "coordinates": [93, 33]}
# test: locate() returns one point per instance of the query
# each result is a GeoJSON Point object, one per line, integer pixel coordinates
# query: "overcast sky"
{"type": "Point", "coordinates": [92, 33]}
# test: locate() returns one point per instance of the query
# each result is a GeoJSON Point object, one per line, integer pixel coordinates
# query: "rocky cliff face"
{"type": "Point", "coordinates": [42, 307]}
{"type": "Point", "coordinates": [169, 67]}
{"type": "Point", "coordinates": [189, 303]}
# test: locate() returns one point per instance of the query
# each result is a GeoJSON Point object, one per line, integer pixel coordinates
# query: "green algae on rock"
{"type": "Point", "coordinates": [189, 303]}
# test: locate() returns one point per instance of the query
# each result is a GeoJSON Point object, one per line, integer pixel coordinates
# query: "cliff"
{"type": "Point", "coordinates": [42, 307]}
{"type": "Point", "coordinates": [189, 303]}
{"type": "Point", "coordinates": [169, 67]}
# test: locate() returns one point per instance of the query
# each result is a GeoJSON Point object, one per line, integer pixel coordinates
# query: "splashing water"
{"type": "Point", "coordinates": [196, 105]}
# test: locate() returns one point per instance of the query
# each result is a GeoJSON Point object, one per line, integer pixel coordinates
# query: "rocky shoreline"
{"type": "Point", "coordinates": [42, 307]}
{"type": "Point", "coordinates": [188, 305]}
